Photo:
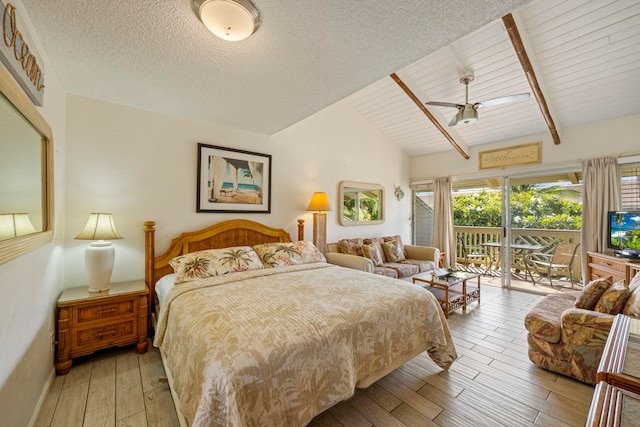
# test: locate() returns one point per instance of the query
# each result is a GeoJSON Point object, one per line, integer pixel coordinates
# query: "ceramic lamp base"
{"type": "Point", "coordinates": [98, 261]}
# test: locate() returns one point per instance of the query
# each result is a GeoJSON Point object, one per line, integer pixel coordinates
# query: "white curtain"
{"type": "Point", "coordinates": [444, 237]}
{"type": "Point", "coordinates": [601, 194]}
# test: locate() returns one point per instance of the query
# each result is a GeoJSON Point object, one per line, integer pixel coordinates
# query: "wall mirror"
{"type": "Point", "coordinates": [361, 203]}
{"type": "Point", "coordinates": [26, 173]}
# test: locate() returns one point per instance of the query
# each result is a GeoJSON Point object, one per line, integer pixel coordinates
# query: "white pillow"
{"type": "Point", "coordinates": [164, 285]}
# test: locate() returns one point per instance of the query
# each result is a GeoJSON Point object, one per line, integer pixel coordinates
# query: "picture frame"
{"type": "Point", "coordinates": [517, 155]}
{"type": "Point", "coordinates": [232, 180]}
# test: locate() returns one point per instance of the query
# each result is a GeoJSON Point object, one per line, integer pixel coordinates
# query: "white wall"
{"type": "Point", "coordinates": [614, 137]}
{"type": "Point", "coordinates": [335, 145]}
{"type": "Point", "coordinates": [30, 284]}
{"type": "Point", "coordinates": [142, 166]}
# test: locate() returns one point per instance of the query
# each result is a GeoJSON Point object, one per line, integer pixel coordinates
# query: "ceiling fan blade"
{"type": "Point", "coordinates": [503, 100]}
{"type": "Point", "coordinates": [454, 120]}
{"type": "Point", "coordinates": [445, 104]}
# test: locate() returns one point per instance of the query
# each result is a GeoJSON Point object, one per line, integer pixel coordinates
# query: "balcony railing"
{"type": "Point", "coordinates": [548, 239]}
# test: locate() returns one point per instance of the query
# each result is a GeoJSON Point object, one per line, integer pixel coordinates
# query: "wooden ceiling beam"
{"type": "Point", "coordinates": [430, 116]}
{"type": "Point", "coordinates": [518, 46]}
{"type": "Point", "coordinates": [493, 182]}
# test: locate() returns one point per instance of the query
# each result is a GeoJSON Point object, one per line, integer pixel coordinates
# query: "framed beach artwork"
{"type": "Point", "coordinates": [231, 180]}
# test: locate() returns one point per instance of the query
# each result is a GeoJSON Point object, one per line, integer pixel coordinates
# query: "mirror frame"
{"type": "Point", "coordinates": [364, 186]}
{"type": "Point", "coordinates": [13, 248]}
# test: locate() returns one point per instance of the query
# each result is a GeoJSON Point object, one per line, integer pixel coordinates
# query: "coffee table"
{"type": "Point", "coordinates": [450, 290]}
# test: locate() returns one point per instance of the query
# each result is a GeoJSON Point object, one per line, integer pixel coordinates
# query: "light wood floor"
{"type": "Point", "coordinates": [493, 383]}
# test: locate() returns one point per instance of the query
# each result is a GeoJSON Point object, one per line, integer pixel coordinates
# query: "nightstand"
{"type": "Point", "coordinates": [89, 321]}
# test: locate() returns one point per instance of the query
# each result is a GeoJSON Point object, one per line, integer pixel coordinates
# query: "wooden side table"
{"type": "Point", "coordinates": [620, 363]}
{"type": "Point", "coordinates": [89, 321]}
{"type": "Point", "coordinates": [613, 406]}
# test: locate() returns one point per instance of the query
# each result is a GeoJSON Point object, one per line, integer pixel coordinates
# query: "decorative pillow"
{"type": "Point", "coordinates": [613, 299]}
{"type": "Point", "coordinates": [397, 239]}
{"type": "Point", "coordinates": [378, 241]}
{"type": "Point", "coordinates": [632, 307]}
{"type": "Point", "coordinates": [591, 293]}
{"type": "Point", "coordinates": [393, 252]}
{"type": "Point", "coordinates": [282, 254]}
{"type": "Point", "coordinates": [350, 246]}
{"type": "Point", "coordinates": [372, 252]}
{"type": "Point", "coordinates": [214, 262]}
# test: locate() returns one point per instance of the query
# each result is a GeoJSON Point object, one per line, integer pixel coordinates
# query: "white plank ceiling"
{"type": "Point", "coordinates": [585, 54]}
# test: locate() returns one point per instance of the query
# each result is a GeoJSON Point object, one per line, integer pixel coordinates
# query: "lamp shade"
{"type": "Point", "coordinates": [99, 256]}
{"type": "Point", "coordinates": [319, 202]}
{"type": "Point", "coordinates": [14, 225]}
{"type": "Point", "coordinates": [231, 20]}
{"type": "Point", "coordinates": [100, 226]}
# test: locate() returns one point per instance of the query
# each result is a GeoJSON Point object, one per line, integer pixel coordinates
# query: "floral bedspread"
{"type": "Point", "coordinates": [279, 346]}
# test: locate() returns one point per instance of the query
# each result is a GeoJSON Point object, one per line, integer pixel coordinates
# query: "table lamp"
{"type": "Point", "coordinates": [99, 255]}
{"type": "Point", "coordinates": [14, 225]}
{"type": "Point", "coordinates": [319, 204]}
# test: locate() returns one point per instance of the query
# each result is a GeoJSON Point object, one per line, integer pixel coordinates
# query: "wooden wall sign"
{"type": "Point", "coordinates": [19, 55]}
{"type": "Point", "coordinates": [511, 156]}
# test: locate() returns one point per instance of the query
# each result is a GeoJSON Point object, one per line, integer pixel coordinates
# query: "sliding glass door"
{"type": "Point", "coordinates": [514, 219]}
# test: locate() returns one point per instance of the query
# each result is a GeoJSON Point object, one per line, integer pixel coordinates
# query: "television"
{"type": "Point", "coordinates": [624, 233]}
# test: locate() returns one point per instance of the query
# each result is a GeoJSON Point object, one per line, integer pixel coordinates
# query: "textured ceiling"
{"type": "Point", "coordinates": [307, 54]}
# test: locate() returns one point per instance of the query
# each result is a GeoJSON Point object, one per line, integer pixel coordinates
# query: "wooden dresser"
{"type": "Point", "coordinates": [603, 265]}
{"type": "Point", "coordinates": [93, 321]}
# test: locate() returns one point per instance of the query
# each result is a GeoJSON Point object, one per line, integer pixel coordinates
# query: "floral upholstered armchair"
{"type": "Point", "coordinates": [567, 334]}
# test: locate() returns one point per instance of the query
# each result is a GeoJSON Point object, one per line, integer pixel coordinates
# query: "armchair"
{"type": "Point", "coordinates": [565, 339]}
{"type": "Point", "coordinates": [559, 263]}
{"type": "Point", "coordinates": [569, 340]}
{"type": "Point", "coordinates": [474, 255]}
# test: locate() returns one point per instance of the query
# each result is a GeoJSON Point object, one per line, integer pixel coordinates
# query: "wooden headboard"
{"type": "Point", "coordinates": [235, 232]}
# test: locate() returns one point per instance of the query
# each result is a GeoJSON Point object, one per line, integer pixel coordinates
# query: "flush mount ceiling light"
{"type": "Point", "coordinates": [231, 20]}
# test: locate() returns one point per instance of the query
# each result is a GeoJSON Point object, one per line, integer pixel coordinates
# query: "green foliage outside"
{"type": "Point", "coordinates": [531, 207]}
{"type": "Point", "coordinates": [369, 209]}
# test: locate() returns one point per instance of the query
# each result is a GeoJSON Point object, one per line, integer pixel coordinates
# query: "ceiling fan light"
{"type": "Point", "coordinates": [231, 20]}
{"type": "Point", "coordinates": [467, 116]}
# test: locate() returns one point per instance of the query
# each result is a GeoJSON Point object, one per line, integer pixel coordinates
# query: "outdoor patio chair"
{"type": "Point", "coordinates": [475, 256]}
{"type": "Point", "coordinates": [558, 264]}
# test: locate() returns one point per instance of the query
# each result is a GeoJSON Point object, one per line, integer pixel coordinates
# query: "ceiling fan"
{"type": "Point", "coordinates": [468, 113]}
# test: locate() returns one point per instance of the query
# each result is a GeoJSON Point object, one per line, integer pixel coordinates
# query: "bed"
{"type": "Point", "coordinates": [282, 337]}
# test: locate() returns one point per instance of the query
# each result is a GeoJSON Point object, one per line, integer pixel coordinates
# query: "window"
{"type": "Point", "coordinates": [630, 186]}
{"type": "Point", "coordinates": [423, 217]}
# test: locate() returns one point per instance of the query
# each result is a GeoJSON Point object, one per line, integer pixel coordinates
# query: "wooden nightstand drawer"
{"type": "Point", "coordinates": [93, 321]}
{"type": "Point", "coordinates": [104, 336]}
{"type": "Point", "coordinates": [90, 313]}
